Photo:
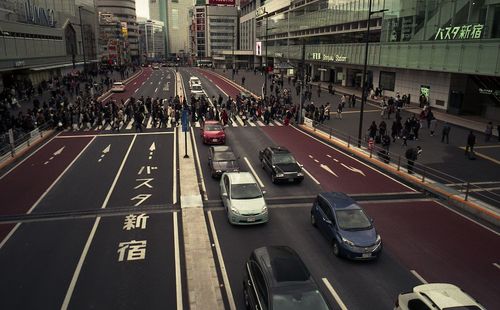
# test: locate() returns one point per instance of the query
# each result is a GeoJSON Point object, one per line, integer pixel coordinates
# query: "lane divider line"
{"type": "Point", "coordinates": [4, 241]}
{"type": "Point", "coordinates": [419, 277]}
{"type": "Point", "coordinates": [76, 274]}
{"type": "Point", "coordinates": [496, 265]}
{"type": "Point", "coordinates": [334, 294]}
{"type": "Point", "coordinates": [225, 278]}
{"type": "Point", "coordinates": [177, 255]}
{"type": "Point", "coordinates": [468, 218]}
{"type": "Point", "coordinates": [174, 170]}
{"type": "Point", "coordinates": [195, 147]}
{"type": "Point", "coordinates": [253, 171]}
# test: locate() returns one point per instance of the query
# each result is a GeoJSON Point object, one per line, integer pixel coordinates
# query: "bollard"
{"type": "Point", "coordinates": [467, 191]}
{"type": "Point", "coordinates": [399, 162]}
{"type": "Point", "coordinates": [349, 142]}
{"type": "Point", "coordinates": [371, 152]}
{"type": "Point", "coordinates": [330, 134]}
{"type": "Point", "coordinates": [28, 143]}
{"type": "Point", "coordinates": [423, 178]}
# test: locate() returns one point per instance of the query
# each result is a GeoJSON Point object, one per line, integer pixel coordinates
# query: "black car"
{"type": "Point", "coordinates": [281, 164]}
{"type": "Point", "coordinates": [220, 162]}
{"type": "Point", "coordinates": [277, 278]}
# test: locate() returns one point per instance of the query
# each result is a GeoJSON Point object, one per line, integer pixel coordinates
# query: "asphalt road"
{"type": "Point", "coordinates": [107, 219]}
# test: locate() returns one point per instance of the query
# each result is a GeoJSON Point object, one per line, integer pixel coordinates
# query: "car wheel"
{"type": "Point", "coordinates": [313, 221]}
{"type": "Point", "coordinates": [336, 248]}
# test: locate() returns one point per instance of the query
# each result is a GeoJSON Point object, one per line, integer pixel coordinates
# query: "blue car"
{"type": "Point", "coordinates": [344, 223]}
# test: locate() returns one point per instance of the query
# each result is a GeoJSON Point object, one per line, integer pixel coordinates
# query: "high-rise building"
{"type": "Point", "coordinates": [113, 48]}
{"type": "Point", "coordinates": [175, 15]}
{"type": "Point", "coordinates": [124, 10]}
{"type": "Point", "coordinates": [151, 40]}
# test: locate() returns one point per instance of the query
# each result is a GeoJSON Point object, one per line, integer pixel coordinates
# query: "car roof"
{"type": "Point", "coordinates": [221, 148]}
{"type": "Point", "coordinates": [445, 295]}
{"type": "Point", "coordinates": [241, 177]}
{"type": "Point", "coordinates": [118, 83]}
{"type": "Point", "coordinates": [339, 200]}
{"type": "Point", "coordinates": [279, 149]}
{"type": "Point", "coordinates": [282, 266]}
{"type": "Point", "coordinates": [194, 78]}
{"type": "Point", "coordinates": [224, 156]}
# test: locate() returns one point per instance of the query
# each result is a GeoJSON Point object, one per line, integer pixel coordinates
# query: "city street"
{"type": "Point", "coordinates": [92, 219]}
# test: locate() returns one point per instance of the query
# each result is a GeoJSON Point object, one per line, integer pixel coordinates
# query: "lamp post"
{"type": "Point", "coordinates": [83, 41]}
{"type": "Point", "coordinates": [232, 45]}
{"type": "Point", "coordinates": [364, 87]}
{"type": "Point", "coordinates": [267, 61]}
{"type": "Point", "coordinates": [303, 78]}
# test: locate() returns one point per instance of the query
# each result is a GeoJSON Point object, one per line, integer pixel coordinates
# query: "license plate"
{"type": "Point", "coordinates": [291, 180]}
{"type": "Point", "coordinates": [251, 219]}
{"type": "Point", "coordinates": [365, 255]}
{"type": "Point", "coordinates": [214, 140]}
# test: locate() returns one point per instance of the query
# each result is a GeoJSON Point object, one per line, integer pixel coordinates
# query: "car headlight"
{"type": "Point", "coordinates": [300, 174]}
{"type": "Point", "coordinates": [234, 210]}
{"type": "Point", "coordinates": [218, 171]}
{"type": "Point", "coordinates": [347, 242]}
{"type": "Point", "coordinates": [280, 175]}
{"type": "Point", "coordinates": [264, 209]}
{"type": "Point", "coordinates": [379, 240]}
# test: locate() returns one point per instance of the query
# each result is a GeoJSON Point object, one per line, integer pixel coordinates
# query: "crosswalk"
{"type": "Point", "coordinates": [150, 124]}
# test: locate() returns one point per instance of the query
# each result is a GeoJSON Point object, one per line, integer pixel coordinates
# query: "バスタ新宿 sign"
{"type": "Point", "coordinates": [464, 32]}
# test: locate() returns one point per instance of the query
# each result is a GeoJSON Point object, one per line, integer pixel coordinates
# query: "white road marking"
{"type": "Point", "coordinates": [496, 265]}
{"type": "Point", "coordinates": [108, 127]}
{"type": "Point", "coordinates": [260, 123]}
{"type": "Point", "coordinates": [58, 152]}
{"type": "Point", "coordinates": [465, 217]}
{"type": "Point", "coordinates": [195, 147]}
{"type": "Point", "coordinates": [311, 176]}
{"type": "Point", "coordinates": [130, 123]}
{"type": "Point", "coordinates": [353, 169]}
{"type": "Point", "coordinates": [174, 170]}
{"type": "Point", "coordinates": [252, 124]}
{"type": "Point", "coordinates": [359, 161]}
{"type": "Point", "coordinates": [156, 89]}
{"type": "Point", "coordinates": [277, 123]}
{"type": "Point", "coordinates": [136, 90]}
{"type": "Point", "coordinates": [222, 90]}
{"type": "Point", "coordinates": [328, 169]}
{"type": "Point", "coordinates": [76, 274]}
{"type": "Point", "coordinates": [177, 255]}
{"type": "Point", "coordinates": [419, 277]}
{"type": "Point", "coordinates": [334, 294]}
{"type": "Point", "coordinates": [46, 191]}
{"type": "Point", "coordinates": [197, 124]}
{"type": "Point", "coordinates": [271, 124]}
{"type": "Point", "coordinates": [104, 152]}
{"type": "Point", "coordinates": [253, 172]}
{"type": "Point", "coordinates": [336, 160]}
{"type": "Point", "coordinates": [239, 120]}
{"type": "Point", "coordinates": [328, 155]}
{"type": "Point", "coordinates": [310, 156]}
{"type": "Point", "coordinates": [149, 124]}
{"type": "Point", "coordinates": [225, 278]}
{"type": "Point", "coordinates": [233, 123]}
{"type": "Point", "coordinates": [317, 161]}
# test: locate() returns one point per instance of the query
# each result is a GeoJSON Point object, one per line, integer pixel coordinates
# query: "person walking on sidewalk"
{"type": "Point", "coordinates": [243, 81]}
{"type": "Point", "coordinates": [330, 88]}
{"type": "Point", "coordinates": [339, 111]}
{"type": "Point", "coordinates": [432, 126]}
{"type": "Point", "coordinates": [469, 148]}
{"type": "Point", "coordinates": [327, 111]}
{"type": "Point", "coordinates": [488, 131]}
{"type": "Point", "coordinates": [353, 100]}
{"type": "Point", "coordinates": [445, 133]}
{"type": "Point", "coordinates": [319, 90]}
{"type": "Point", "coordinates": [498, 131]}
{"type": "Point", "coordinates": [411, 156]}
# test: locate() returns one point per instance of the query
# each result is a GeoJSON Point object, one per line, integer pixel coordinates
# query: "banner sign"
{"type": "Point", "coordinates": [221, 2]}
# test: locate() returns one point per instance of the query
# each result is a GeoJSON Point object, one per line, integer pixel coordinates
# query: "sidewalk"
{"type": "Point", "coordinates": [447, 158]}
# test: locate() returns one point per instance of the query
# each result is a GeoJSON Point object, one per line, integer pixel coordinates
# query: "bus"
{"type": "Point", "coordinates": [204, 63]}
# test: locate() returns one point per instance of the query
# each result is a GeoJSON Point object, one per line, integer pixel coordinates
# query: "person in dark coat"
{"type": "Point", "coordinates": [411, 156]}
{"type": "Point", "coordinates": [469, 148]}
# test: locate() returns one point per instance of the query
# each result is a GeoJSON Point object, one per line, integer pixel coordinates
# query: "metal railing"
{"type": "Point", "coordinates": [448, 183]}
{"type": "Point", "coordinates": [21, 139]}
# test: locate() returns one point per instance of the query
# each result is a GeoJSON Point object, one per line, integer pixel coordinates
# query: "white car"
{"type": "Point", "coordinates": [118, 87]}
{"type": "Point", "coordinates": [194, 81]}
{"type": "Point", "coordinates": [243, 199]}
{"type": "Point", "coordinates": [436, 296]}
{"type": "Point", "coordinates": [197, 91]}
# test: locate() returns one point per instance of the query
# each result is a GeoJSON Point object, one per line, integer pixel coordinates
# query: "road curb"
{"type": "Point", "coordinates": [472, 206]}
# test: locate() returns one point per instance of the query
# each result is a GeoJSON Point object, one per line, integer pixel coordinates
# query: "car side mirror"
{"type": "Point", "coordinates": [224, 195]}
{"type": "Point", "coordinates": [264, 192]}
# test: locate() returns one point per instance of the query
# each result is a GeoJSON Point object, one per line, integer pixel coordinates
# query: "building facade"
{"type": "Point", "coordinates": [113, 46]}
{"type": "Point", "coordinates": [446, 50]}
{"type": "Point", "coordinates": [124, 10]}
{"type": "Point", "coordinates": [152, 40]}
{"type": "Point", "coordinates": [40, 39]}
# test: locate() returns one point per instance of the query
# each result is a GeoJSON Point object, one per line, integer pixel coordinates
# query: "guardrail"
{"type": "Point", "coordinates": [383, 155]}
{"type": "Point", "coordinates": [9, 148]}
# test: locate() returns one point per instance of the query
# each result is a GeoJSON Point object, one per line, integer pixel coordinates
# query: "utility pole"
{"type": "Point", "coordinates": [303, 77]}
{"type": "Point", "coordinates": [232, 45]}
{"type": "Point", "coordinates": [267, 62]}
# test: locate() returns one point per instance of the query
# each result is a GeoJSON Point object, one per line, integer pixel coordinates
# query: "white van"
{"type": "Point", "coordinates": [194, 81]}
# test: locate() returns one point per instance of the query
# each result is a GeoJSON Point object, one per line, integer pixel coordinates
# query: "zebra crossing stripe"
{"type": "Point", "coordinates": [108, 127]}
{"type": "Point", "coordinates": [277, 123]}
{"type": "Point", "coordinates": [251, 123]}
{"type": "Point", "coordinates": [233, 123]}
{"type": "Point", "coordinates": [169, 123]}
{"type": "Point", "coordinates": [150, 123]}
{"type": "Point", "coordinates": [197, 124]}
{"type": "Point", "coordinates": [260, 123]}
{"type": "Point", "coordinates": [240, 121]}
{"type": "Point", "coordinates": [130, 123]}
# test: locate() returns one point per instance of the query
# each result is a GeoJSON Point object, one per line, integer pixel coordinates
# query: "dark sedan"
{"type": "Point", "coordinates": [281, 164]}
{"type": "Point", "coordinates": [221, 162]}
{"type": "Point", "coordinates": [344, 223]}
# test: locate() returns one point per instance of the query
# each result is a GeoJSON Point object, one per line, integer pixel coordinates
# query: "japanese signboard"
{"type": "Point", "coordinates": [464, 32]}
{"type": "Point", "coordinates": [258, 48]}
{"type": "Point", "coordinates": [221, 2]}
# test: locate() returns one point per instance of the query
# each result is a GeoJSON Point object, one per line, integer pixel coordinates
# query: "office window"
{"type": "Point", "coordinates": [175, 19]}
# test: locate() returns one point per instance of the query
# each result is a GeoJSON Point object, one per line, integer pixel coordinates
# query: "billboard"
{"type": "Point", "coordinates": [124, 29]}
{"type": "Point", "coordinates": [258, 48]}
{"type": "Point", "coordinates": [221, 2]}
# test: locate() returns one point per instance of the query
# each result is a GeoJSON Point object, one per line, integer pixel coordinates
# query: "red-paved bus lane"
{"type": "Point", "coordinates": [335, 170]}
{"type": "Point", "coordinates": [23, 186]}
{"type": "Point", "coordinates": [441, 246]}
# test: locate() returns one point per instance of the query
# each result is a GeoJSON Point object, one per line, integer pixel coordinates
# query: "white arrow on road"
{"type": "Point", "coordinates": [152, 148]}
{"type": "Point", "coordinates": [354, 170]}
{"type": "Point", "coordinates": [328, 169]}
{"type": "Point", "coordinates": [58, 152]}
{"type": "Point", "coordinates": [104, 152]}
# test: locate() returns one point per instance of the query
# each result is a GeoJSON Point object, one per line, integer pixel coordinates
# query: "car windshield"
{"type": "Point", "coordinates": [299, 300]}
{"type": "Point", "coordinates": [283, 159]}
{"type": "Point", "coordinates": [197, 88]}
{"type": "Point", "coordinates": [245, 191]}
{"type": "Point", "coordinates": [224, 156]}
{"type": "Point", "coordinates": [213, 127]}
{"type": "Point", "coordinates": [353, 219]}
{"type": "Point", "coordinates": [118, 83]}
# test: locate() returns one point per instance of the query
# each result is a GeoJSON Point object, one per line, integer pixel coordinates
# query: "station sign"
{"type": "Point", "coordinates": [331, 58]}
{"type": "Point", "coordinates": [464, 32]}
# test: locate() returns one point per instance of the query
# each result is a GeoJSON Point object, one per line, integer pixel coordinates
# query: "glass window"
{"type": "Point", "coordinates": [175, 19]}
{"type": "Point", "coordinates": [299, 300]}
{"type": "Point", "coordinates": [283, 159]}
{"type": "Point", "coordinates": [353, 219]}
{"type": "Point", "coordinates": [245, 191]}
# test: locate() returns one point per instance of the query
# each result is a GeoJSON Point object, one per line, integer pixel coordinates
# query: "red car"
{"type": "Point", "coordinates": [212, 132]}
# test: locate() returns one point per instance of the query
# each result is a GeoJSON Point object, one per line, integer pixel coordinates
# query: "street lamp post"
{"type": "Point", "coordinates": [303, 78]}
{"type": "Point", "coordinates": [364, 87]}
{"type": "Point", "coordinates": [267, 61]}
{"type": "Point", "coordinates": [232, 45]}
{"type": "Point", "coordinates": [83, 41]}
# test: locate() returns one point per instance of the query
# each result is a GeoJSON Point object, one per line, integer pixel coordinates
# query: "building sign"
{"type": "Point", "coordinates": [124, 29]}
{"type": "Point", "coordinates": [261, 11]}
{"type": "Point", "coordinates": [278, 54]}
{"type": "Point", "coordinates": [258, 48]}
{"type": "Point", "coordinates": [485, 91]}
{"type": "Point", "coordinates": [38, 15]}
{"type": "Point", "coordinates": [323, 57]}
{"type": "Point", "coordinates": [221, 2]}
{"type": "Point", "coordinates": [465, 32]}
{"type": "Point", "coordinates": [19, 63]}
